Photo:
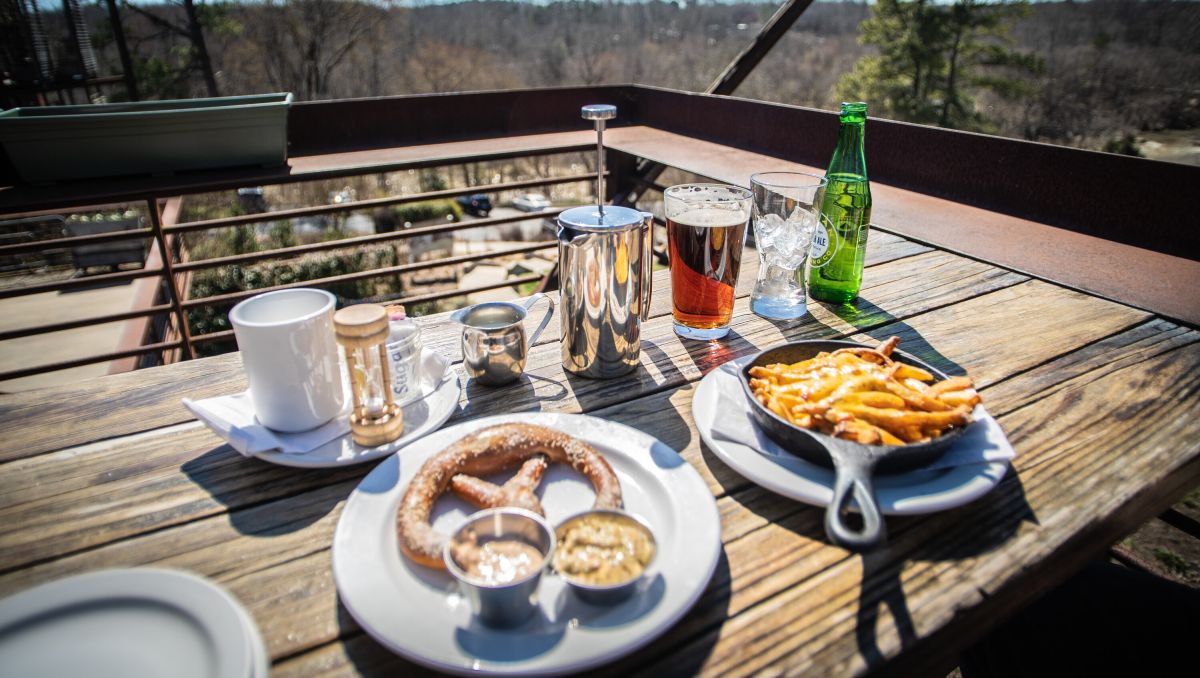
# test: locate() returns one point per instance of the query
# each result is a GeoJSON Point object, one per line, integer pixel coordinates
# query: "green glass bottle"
{"type": "Point", "coordinates": [839, 246]}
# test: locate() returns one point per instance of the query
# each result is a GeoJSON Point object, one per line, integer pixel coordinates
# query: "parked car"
{"type": "Point", "coordinates": [478, 204]}
{"type": "Point", "coordinates": [531, 202]}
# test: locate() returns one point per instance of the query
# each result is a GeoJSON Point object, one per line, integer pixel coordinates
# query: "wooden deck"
{"type": "Point", "coordinates": [1098, 397]}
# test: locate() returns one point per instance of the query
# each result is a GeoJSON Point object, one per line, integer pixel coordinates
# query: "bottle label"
{"type": "Point", "coordinates": [825, 243]}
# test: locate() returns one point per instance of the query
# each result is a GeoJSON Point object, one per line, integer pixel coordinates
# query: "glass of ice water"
{"type": "Point", "coordinates": [786, 207]}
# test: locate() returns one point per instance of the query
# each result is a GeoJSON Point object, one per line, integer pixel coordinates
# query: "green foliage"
{"type": "Point", "coordinates": [241, 239]}
{"type": "Point", "coordinates": [280, 234]}
{"type": "Point", "coordinates": [1171, 560]}
{"type": "Point", "coordinates": [432, 180]}
{"type": "Point", "coordinates": [426, 211]}
{"type": "Point", "coordinates": [933, 57]}
{"type": "Point", "coordinates": [1124, 145]}
{"type": "Point", "coordinates": [228, 279]}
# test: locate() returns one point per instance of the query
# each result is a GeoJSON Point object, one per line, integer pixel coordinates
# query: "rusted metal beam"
{"type": "Point", "coordinates": [78, 283]}
{"type": "Point", "coordinates": [743, 64]}
{"type": "Point", "coordinates": [730, 78]}
{"type": "Point", "coordinates": [288, 252]}
{"type": "Point", "coordinates": [74, 241]}
{"type": "Point", "coordinates": [372, 203]}
{"type": "Point", "coordinates": [171, 283]}
{"type": "Point", "coordinates": [433, 296]}
{"type": "Point", "coordinates": [332, 165]}
{"type": "Point", "coordinates": [84, 322]}
{"type": "Point", "coordinates": [464, 291]}
{"type": "Point", "coordinates": [366, 275]}
{"type": "Point", "coordinates": [90, 360]}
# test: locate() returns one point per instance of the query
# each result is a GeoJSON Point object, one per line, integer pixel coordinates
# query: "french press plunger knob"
{"type": "Point", "coordinates": [599, 113]}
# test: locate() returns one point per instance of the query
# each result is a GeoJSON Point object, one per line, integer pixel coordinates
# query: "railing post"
{"type": "Point", "coordinates": [168, 271]}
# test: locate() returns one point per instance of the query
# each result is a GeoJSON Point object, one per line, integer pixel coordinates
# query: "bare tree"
{"type": "Point", "coordinates": [302, 42]}
{"type": "Point", "coordinates": [192, 31]}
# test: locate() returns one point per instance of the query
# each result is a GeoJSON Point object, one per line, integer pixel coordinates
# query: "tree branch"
{"type": "Point", "coordinates": [157, 20]}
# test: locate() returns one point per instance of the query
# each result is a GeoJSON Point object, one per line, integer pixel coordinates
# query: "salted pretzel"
{"type": "Point", "coordinates": [487, 451]}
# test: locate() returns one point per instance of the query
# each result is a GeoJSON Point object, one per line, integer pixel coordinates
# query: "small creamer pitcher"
{"type": "Point", "coordinates": [494, 347]}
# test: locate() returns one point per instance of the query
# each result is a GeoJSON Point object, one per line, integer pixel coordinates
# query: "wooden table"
{"type": "Point", "coordinates": [1098, 398]}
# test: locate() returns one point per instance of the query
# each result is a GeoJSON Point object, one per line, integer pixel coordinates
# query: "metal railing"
{"type": "Point", "coordinates": [172, 270]}
{"type": "Point", "coordinates": [1051, 185]}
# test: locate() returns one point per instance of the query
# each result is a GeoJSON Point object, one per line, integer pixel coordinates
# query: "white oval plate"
{"type": "Point", "coordinates": [417, 612]}
{"type": "Point", "coordinates": [129, 623]}
{"type": "Point", "coordinates": [421, 417]}
{"type": "Point", "coordinates": [913, 493]}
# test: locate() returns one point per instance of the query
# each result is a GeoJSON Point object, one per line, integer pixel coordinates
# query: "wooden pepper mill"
{"type": "Point", "coordinates": [362, 332]}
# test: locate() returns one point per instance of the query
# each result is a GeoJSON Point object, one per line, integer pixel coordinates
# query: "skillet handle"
{"type": "Point", "coordinates": [854, 478]}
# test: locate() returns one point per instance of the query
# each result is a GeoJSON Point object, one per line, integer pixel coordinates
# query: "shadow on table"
{"type": "Point", "coordinates": [965, 532]}
{"type": "Point", "coordinates": [864, 314]}
{"type": "Point", "coordinates": [968, 531]}
{"type": "Point", "coordinates": [519, 396]}
{"type": "Point", "coordinates": [266, 499]}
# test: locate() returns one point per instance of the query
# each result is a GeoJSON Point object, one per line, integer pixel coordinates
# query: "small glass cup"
{"type": "Point", "coordinates": [706, 228]}
{"type": "Point", "coordinates": [785, 217]}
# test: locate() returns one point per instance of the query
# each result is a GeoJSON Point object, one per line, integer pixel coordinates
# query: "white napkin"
{"type": "Point", "coordinates": [232, 417]}
{"type": "Point", "coordinates": [983, 443]}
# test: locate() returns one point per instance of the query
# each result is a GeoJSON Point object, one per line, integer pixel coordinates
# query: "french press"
{"type": "Point", "coordinates": [605, 260]}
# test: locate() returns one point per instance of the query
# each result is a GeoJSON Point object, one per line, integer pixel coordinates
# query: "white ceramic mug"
{"type": "Point", "coordinates": [290, 357]}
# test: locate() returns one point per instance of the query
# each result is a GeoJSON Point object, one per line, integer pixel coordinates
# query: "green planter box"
{"type": "Point", "coordinates": [54, 143]}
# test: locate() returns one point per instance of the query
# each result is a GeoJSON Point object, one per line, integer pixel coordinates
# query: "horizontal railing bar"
{"type": "Point", "coordinates": [76, 283]}
{"type": "Point", "coordinates": [373, 203]}
{"type": "Point", "coordinates": [366, 275]}
{"type": "Point", "coordinates": [74, 240]}
{"type": "Point", "coordinates": [647, 184]}
{"type": "Point", "coordinates": [289, 252]}
{"type": "Point", "coordinates": [208, 181]}
{"type": "Point", "coordinates": [449, 294]}
{"type": "Point", "coordinates": [79, 362]}
{"type": "Point", "coordinates": [212, 336]}
{"type": "Point", "coordinates": [84, 322]}
{"type": "Point", "coordinates": [59, 211]}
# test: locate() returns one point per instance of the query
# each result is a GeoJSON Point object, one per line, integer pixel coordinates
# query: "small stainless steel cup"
{"type": "Point", "coordinates": [494, 347]}
{"type": "Point", "coordinates": [610, 594]}
{"type": "Point", "coordinates": [505, 604]}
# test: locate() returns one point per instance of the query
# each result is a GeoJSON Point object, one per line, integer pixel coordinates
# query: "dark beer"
{"type": "Point", "coordinates": [706, 253]}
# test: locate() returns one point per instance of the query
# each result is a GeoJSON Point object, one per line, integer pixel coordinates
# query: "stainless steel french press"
{"type": "Point", "coordinates": [605, 260]}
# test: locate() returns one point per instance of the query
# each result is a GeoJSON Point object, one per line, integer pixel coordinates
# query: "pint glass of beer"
{"type": "Point", "coordinates": [706, 227]}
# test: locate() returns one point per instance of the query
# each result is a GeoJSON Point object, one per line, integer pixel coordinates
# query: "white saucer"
{"type": "Point", "coordinates": [440, 396]}
{"type": "Point", "coordinates": [418, 612]}
{"type": "Point", "coordinates": [128, 624]}
{"type": "Point", "coordinates": [912, 493]}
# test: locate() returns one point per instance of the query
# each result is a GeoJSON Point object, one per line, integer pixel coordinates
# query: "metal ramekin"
{"type": "Point", "coordinates": [610, 594]}
{"type": "Point", "coordinates": [512, 603]}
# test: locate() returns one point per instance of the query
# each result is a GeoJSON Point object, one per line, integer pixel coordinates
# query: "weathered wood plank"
{"type": "Point", "coordinates": [80, 518]}
{"type": "Point", "coordinates": [773, 545]}
{"type": "Point", "coordinates": [1076, 487]}
{"type": "Point", "coordinates": [746, 556]}
{"type": "Point", "coordinates": [98, 409]}
{"type": "Point", "coordinates": [1008, 331]}
{"type": "Point", "coordinates": [85, 517]}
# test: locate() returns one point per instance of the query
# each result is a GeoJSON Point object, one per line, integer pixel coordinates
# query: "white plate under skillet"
{"type": "Point", "coordinates": [440, 393]}
{"type": "Point", "coordinates": [913, 493]}
{"type": "Point", "coordinates": [127, 624]}
{"type": "Point", "coordinates": [418, 613]}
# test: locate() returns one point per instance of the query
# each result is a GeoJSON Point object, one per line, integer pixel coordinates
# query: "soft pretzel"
{"type": "Point", "coordinates": [485, 452]}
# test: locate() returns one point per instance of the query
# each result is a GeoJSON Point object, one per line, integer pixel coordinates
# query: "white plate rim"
{"type": "Point", "coordinates": [238, 645]}
{"type": "Point", "coordinates": [793, 477]}
{"type": "Point", "coordinates": [447, 395]}
{"type": "Point", "coordinates": [709, 529]}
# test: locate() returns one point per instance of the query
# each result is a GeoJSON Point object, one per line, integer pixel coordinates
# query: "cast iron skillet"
{"type": "Point", "coordinates": [853, 463]}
